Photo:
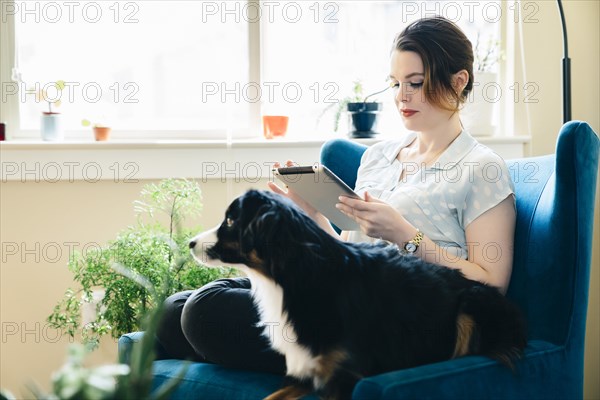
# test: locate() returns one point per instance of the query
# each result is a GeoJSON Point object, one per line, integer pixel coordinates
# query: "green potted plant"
{"type": "Point", "coordinates": [478, 111]}
{"type": "Point", "coordinates": [51, 123]}
{"type": "Point", "coordinates": [148, 248]}
{"type": "Point", "coordinates": [362, 115]}
{"type": "Point", "coordinates": [101, 130]}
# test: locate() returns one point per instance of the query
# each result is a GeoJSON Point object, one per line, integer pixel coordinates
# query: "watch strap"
{"type": "Point", "coordinates": [412, 246]}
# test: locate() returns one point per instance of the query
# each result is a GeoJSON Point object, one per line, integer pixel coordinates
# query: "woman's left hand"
{"type": "Point", "coordinates": [376, 218]}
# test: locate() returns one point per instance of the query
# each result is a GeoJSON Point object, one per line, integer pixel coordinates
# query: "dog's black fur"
{"type": "Point", "coordinates": [365, 309]}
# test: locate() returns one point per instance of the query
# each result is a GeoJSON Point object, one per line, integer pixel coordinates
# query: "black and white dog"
{"type": "Point", "coordinates": [343, 311]}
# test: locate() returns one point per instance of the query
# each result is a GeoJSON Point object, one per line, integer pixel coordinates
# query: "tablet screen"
{"type": "Point", "coordinates": [321, 188]}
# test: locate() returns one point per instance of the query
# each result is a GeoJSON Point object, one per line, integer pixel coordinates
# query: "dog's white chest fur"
{"type": "Point", "coordinates": [269, 298]}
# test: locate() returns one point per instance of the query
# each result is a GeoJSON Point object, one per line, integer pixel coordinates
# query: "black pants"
{"type": "Point", "coordinates": [217, 324]}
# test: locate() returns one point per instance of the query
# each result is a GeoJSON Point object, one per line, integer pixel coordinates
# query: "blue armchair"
{"type": "Point", "coordinates": [553, 246]}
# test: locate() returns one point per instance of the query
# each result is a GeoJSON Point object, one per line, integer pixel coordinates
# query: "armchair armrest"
{"type": "Point", "coordinates": [125, 345]}
{"type": "Point", "coordinates": [539, 374]}
{"type": "Point", "coordinates": [127, 341]}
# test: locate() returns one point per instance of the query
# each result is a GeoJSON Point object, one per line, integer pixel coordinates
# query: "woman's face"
{"type": "Point", "coordinates": [407, 75]}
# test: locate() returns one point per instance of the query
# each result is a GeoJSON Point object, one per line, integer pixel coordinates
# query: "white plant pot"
{"type": "Point", "coordinates": [477, 114]}
{"type": "Point", "coordinates": [51, 127]}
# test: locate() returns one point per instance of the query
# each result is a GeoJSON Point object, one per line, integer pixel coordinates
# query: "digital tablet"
{"type": "Point", "coordinates": [321, 188]}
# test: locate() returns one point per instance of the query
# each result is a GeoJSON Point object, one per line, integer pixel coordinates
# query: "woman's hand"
{"type": "Point", "coordinates": [290, 194]}
{"type": "Point", "coordinates": [376, 218]}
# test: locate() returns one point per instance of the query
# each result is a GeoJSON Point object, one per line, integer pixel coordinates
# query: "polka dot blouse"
{"type": "Point", "coordinates": [441, 199]}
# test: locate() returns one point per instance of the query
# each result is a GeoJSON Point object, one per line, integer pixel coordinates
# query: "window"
{"type": "Point", "coordinates": [141, 65]}
{"type": "Point", "coordinates": [209, 69]}
{"type": "Point", "coordinates": [336, 43]}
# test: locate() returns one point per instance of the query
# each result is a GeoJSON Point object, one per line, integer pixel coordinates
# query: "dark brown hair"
{"type": "Point", "coordinates": [444, 50]}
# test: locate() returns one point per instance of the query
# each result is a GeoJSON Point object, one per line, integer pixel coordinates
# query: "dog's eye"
{"type": "Point", "coordinates": [229, 222]}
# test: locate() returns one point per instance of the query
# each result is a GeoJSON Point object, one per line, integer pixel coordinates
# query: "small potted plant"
{"type": "Point", "coordinates": [362, 115]}
{"type": "Point", "coordinates": [275, 125]}
{"type": "Point", "coordinates": [51, 124]}
{"type": "Point", "coordinates": [101, 131]}
{"type": "Point", "coordinates": [479, 109]}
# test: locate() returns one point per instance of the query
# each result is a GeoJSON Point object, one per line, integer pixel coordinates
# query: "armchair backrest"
{"type": "Point", "coordinates": [553, 238]}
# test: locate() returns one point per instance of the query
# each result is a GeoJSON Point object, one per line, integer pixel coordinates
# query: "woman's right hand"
{"type": "Point", "coordinates": [290, 194]}
{"type": "Point", "coordinates": [312, 212]}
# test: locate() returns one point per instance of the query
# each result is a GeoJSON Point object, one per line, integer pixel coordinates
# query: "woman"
{"type": "Point", "coordinates": [436, 193]}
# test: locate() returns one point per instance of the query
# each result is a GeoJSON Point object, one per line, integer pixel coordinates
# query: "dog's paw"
{"type": "Point", "coordinates": [291, 392]}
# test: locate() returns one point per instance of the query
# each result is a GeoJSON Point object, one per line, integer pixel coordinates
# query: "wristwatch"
{"type": "Point", "coordinates": [411, 246]}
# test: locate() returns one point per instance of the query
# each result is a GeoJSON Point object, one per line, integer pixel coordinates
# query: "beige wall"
{"type": "Point", "coordinates": [54, 214]}
{"type": "Point", "coordinates": [542, 48]}
{"type": "Point", "coordinates": [40, 218]}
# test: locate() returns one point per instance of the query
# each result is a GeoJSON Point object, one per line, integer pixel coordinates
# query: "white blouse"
{"type": "Point", "coordinates": [441, 200]}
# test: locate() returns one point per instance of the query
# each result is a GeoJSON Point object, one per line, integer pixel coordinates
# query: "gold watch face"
{"type": "Point", "coordinates": [410, 247]}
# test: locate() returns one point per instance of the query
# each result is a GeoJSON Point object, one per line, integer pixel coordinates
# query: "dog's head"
{"type": "Point", "coordinates": [261, 231]}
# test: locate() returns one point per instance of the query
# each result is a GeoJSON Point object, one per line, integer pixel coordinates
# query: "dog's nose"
{"type": "Point", "coordinates": [192, 244]}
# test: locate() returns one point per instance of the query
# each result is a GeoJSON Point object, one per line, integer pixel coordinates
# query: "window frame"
{"type": "Point", "coordinates": [9, 109]}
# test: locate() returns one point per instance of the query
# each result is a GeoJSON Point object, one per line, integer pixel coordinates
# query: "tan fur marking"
{"type": "Point", "coordinates": [254, 258]}
{"type": "Point", "coordinates": [230, 245]}
{"type": "Point", "coordinates": [328, 363]}
{"type": "Point", "coordinates": [257, 263]}
{"type": "Point", "coordinates": [465, 326]}
{"type": "Point", "coordinates": [289, 393]}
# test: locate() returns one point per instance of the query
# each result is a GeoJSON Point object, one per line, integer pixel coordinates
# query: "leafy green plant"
{"type": "Point", "coordinates": [150, 249]}
{"type": "Point", "coordinates": [355, 97]}
{"type": "Point", "coordinates": [142, 267]}
{"type": "Point", "coordinates": [137, 384]}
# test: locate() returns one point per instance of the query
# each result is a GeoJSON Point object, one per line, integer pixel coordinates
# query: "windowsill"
{"type": "Point", "coordinates": [25, 144]}
{"type": "Point", "coordinates": [159, 143]}
{"type": "Point", "coordinates": [132, 160]}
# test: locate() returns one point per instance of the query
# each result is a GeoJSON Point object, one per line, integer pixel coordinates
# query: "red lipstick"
{"type": "Point", "coordinates": [408, 112]}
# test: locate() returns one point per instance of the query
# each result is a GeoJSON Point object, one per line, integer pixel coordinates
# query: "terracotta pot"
{"type": "Point", "coordinates": [275, 125]}
{"type": "Point", "coordinates": [101, 133]}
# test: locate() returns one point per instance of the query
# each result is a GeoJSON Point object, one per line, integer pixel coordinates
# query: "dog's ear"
{"type": "Point", "coordinates": [278, 238]}
{"type": "Point", "coordinates": [275, 233]}
{"type": "Point", "coordinates": [261, 231]}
